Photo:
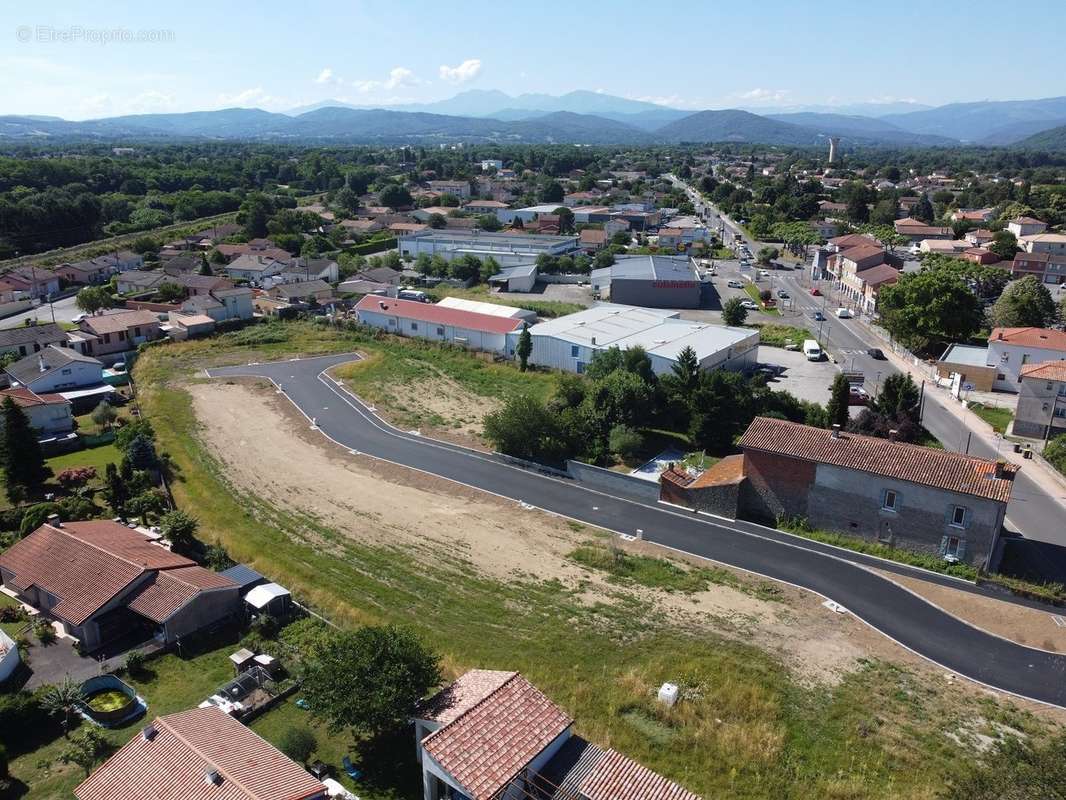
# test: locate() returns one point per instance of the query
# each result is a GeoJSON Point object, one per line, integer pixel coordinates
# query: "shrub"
{"type": "Point", "coordinates": [298, 744]}
{"type": "Point", "coordinates": [44, 632]}
{"type": "Point", "coordinates": [624, 441]}
{"type": "Point", "coordinates": [135, 662]}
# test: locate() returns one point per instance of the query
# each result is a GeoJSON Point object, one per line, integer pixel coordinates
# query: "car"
{"type": "Point", "coordinates": [816, 292]}
{"type": "Point", "coordinates": [876, 352]}
{"type": "Point", "coordinates": [750, 305]}
{"type": "Point", "coordinates": [763, 273]}
{"type": "Point", "coordinates": [782, 294]}
{"type": "Point", "coordinates": [735, 284]}
{"type": "Point", "coordinates": [857, 396]}
{"type": "Point", "coordinates": [843, 313]}
{"type": "Point", "coordinates": [818, 316]}
{"type": "Point", "coordinates": [119, 366]}
{"type": "Point", "coordinates": [77, 318]}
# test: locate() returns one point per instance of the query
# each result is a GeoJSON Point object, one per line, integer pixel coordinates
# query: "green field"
{"type": "Point", "coordinates": [753, 292]}
{"type": "Point", "coordinates": [748, 728]}
{"type": "Point", "coordinates": [774, 335]}
{"type": "Point", "coordinates": [999, 418]}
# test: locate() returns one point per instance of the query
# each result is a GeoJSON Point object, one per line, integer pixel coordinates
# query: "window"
{"type": "Point", "coordinates": [888, 502]}
{"type": "Point", "coordinates": [1025, 359]}
{"type": "Point", "coordinates": [573, 351]}
{"type": "Point", "coordinates": [136, 331]}
{"type": "Point", "coordinates": [392, 321]}
{"type": "Point", "coordinates": [581, 367]}
{"type": "Point", "coordinates": [414, 326]}
{"type": "Point", "coordinates": [958, 517]}
{"type": "Point", "coordinates": [951, 547]}
{"type": "Point", "coordinates": [440, 331]}
{"type": "Point", "coordinates": [65, 372]}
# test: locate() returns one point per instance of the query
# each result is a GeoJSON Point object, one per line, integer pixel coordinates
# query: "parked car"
{"type": "Point", "coordinates": [750, 305]}
{"type": "Point", "coordinates": [857, 396]}
{"type": "Point", "coordinates": [876, 352]}
{"type": "Point", "coordinates": [77, 318]}
{"type": "Point", "coordinates": [781, 293]}
{"type": "Point", "coordinates": [816, 292]}
{"type": "Point", "coordinates": [843, 313]}
{"type": "Point", "coordinates": [818, 316]}
{"type": "Point", "coordinates": [735, 284]}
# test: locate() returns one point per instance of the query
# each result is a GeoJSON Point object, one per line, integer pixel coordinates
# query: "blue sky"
{"type": "Point", "coordinates": [277, 55]}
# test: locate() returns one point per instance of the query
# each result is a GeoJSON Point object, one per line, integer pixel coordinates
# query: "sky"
{"type": "Point", "coordinates": [78, 60]}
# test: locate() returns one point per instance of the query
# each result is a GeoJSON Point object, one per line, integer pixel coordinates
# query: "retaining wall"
{"type": "Point", "coordinates": [609, 481]}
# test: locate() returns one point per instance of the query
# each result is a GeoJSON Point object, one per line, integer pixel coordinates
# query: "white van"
{"type": "Point", "coordinates": [811, 350]}
{"type": "Point", "coordinates": [412, 294]}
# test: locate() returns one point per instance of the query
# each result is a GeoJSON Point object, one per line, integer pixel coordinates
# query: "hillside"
{"type": "Point", "coordinates": [973, 122]}
{"type": "Point", "coordinates": [1054, 139]}
{"type": "Point", "coordinates": [733, 125]}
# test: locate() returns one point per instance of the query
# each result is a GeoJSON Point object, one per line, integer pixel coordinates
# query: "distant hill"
{"type": "Point", "coordinates": [733, 125]}
{"type": "Point", "coordinates": [974, 122]}
{"type": "Point", "coordinates": [1017, 131]}
{"type": "Point", "coordinates": [1054, 139]}
{"type": "Point", "coordinates": [864, 130]}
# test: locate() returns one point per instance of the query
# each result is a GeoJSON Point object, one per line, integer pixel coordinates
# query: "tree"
{"type": "Point", "coordinates": [523, 428]}
{"type": "Point", "coordinates": [884, 212]}
{"type": "Point", "coordinates": [35, 516]}
{"type": "Point", "coordinates": [524, 349]}
{"type": "Point", "coordinates": [923, 209]}
{"type": "Point", "coordinates": [298, 744]}
{"type": "Point", "coordinates": [437, 221]}
{"type": "Point", "coordinates": [899, 397]}
{"type": "Point", "coordinates": [624, 441]}
{"type": "Point", "coordinates": [392, 669]}
{"type": "Point", "coordinates": [395, 196]}
{"type": "Point", "coordinates": [1004, 244]}
{"type": "Point", "coordinates": [170, 292]}
{"type": "Point", "coordinates": [151, 501]}
{"type": "Point", "coordinates": [21, 461]}
{"type": "Point", "coordinates": [764, 255]}
{"type": "Point", "coordinates": [93, 298]}
{"type": "Point", "coordinates": [85, 749]}
{"type": "Point", "coordinates": [1026, 303]}
{"type": "Point", "coordinates": [928, 309]}
{"type": "Point", "coordinates": [104, 415]}
{"type": "Point", "coordinates": [141, 453]}
{"type": "Point", "coordinates": [254, 213]}
{"type": "Point", "coordinates": [180, 528]}
{"type": "Point", "coordinates": [686, 370]}
{"type": "Point", "coordinates": [115, 491]}
{"type": "Point", "coordinates": [733, 312]}
{"type": "Point", "coordinates": [837, 407]}
{"type": "Point", "coordinates": [1013, 770]}
{"type": "Point", "coordinates": [62, 700]}
{"type": "Point", "coordinates": [720, 407]}
{"type": "Point", "coordinates": [552, 192]}
{"type": "Point", "coordinates": [858, 211]}
{"type": "Point", "coordinates": [205, 266]}
{"type": "Point", "coordinates": [74, 478]}
{"type": "Point", "coordinates": [566, 219]}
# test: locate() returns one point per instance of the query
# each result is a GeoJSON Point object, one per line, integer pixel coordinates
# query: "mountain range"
{"type": "Point", "coordinates": [579, 117]}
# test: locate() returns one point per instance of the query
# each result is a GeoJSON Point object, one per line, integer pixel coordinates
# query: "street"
{"type": "Point", "coordinates": [65, 310]}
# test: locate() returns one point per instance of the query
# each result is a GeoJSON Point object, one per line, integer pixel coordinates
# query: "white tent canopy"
{"type": "Point", "coordinates": [262, 596]}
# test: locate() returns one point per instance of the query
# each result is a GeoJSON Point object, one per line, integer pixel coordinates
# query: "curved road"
{"type": "Point", "coordinates": [842, 577]}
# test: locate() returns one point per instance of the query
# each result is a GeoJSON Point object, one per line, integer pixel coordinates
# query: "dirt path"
{"type": "Point", "coordinates": [267, 448]}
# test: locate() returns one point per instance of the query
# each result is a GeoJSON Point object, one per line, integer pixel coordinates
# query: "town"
{"type": "Point", "coordinates": [622, 453]}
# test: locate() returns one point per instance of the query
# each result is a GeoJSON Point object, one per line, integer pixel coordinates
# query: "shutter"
{"type": "Point", "coordinates": [961, 554]}
{"type": "Point", "coordinates": [899, 501]}
{"type": "Point", "coordinates": [967, 517]}
{"type": "Point", "coordinates": [943, 545]}
{"type": "Point", "coordinates": [947, 514]}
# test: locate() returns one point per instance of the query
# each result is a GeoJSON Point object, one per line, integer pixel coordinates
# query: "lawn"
{"type": "Point", "coordinates": [10, 628]}
{"type": "Point", "coordinates": [774, 335]}
{"type": "Point", "coordinates": [753, 292]}
{"type": "Point", "coordinates": [98, 457]}
{"type": "Point", "coordinates": [999, 418]}
{"type": "Point", "coordinates": [749, 728]}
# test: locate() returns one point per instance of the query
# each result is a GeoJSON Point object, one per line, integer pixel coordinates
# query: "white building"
{"type": "Point", "coordinates": [491, 163]}
{"type": "Point", "coordinates": [1026, 226]}
{"type": "Point", "coordinates": [1054, 243]}
{"type": "Point", "coordinates": [509, 249]}
{"type": "Point", "coordinates": [254, 267]}
{"type": "Point", "coordinates": [527, 214]}
{"type": "Point", "coordinates": [492, 309]}
{"type": "Point", "coordinates": [568, 343]}
{"type": "Point", "coordinates": [1010, 349]}
{"type": "Point", "coordinates": [437, 323]}
{"type": "Point", "coordinates": [56, 369]}
{"type": "Point", "coordinates": [460, 189]}
{"type": "Point", "coordinates": [519, 278]}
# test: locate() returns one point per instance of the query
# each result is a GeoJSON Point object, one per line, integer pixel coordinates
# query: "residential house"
{"type": "Point", "coordinates": [615, 225]}
{"type": "Point", "coordinates": [860, 270]}
{"type": "Point", "coordinates": [437, 323]}
{"type": "Point", "coordinates": [1026, 226]}
{"type": "Point", "coordinates": [460, 189]}
{"type": "Point", "coordinates": [826, 229]}
{"type": "Point", "coordinates": [948, 247]}
{"type": "Point", "coordinates": [234, 251]}
{"type": "Point", "coordinates": [200, 284]}
{"type": "Point", "coordinates": [484, 206]}
{"type": "Point", "coordinates": [222, 304]}
{"type": "Point", "coordinates": [56, 369]}
{"type": "Point", "coordinates": [102, 580]}
{"type": "Point", "coordinates": [901, 495]}
{"type": "Point", "coordinates": [254, 267]}
{"type": "Point", "coordinates": [491, 164]}
{"type": "Point", "coordinates": [827, 208]}
{"type": "Point", "coordinates": [584, 215]}
{"type": "Point", "coordinates": [27, 339]}
{"type": "Point", "coordinates": [189, 326]}
{"type": "Point", "coordinates": [424, 214]}
{"type": "Point", "coordinates": [873, 280]}
{"type": "Point", "coordinates": [32, 282]}
{"type": "Point", "coordinates": [306, 269]}
{"type": "Point", "coordinates": [302, 292]}
{"type": "Point", "coordinates": [492, 735]}
{"type": "Point", "coordinates": [592, 239]}
{"type": "Point", "coordinates": [84, 273]}
{"type": "Point", "coordinates": [49, 414]}
{"type": "Point", "coordinates": [1041, 409]}
{"type": "Point", "coordinates": [1011, 349]}
{"type": "Point", "coordinates": [136, 281]}
{"type": "Point", "coordinates": [386, 275]}
{"type": "Point", "coordinates": [185, 264]}
{"type": "Point", "coordinates": [406, 228]}
{"type": "Point", "coordinates": [120, 331]}
{"type": "Point", "coordinates": [1046, 267]}
{"type": "Point", "coordinates": [973, 214]}
{"type": "Point", "coordinates": [1054, 243]}
{"type": "Point", "coordinates": [916, 230]}
{"type": "Point", "coordinates": [979, 255]}
{"type": "Point", "coordinates": [582, 198]}
{"type": "Point", "coordinates": [362, 226]}
{"type": "Point", "coordinates": [979, 237]}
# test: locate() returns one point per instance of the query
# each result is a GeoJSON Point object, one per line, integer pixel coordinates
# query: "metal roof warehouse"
{"type": "Point", "coordinates": [652, 281]}
{"type": "Point", "coordinates": [439, 323]}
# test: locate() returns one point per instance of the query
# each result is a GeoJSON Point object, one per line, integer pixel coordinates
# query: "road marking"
{"type": "Point", "coordinates": [1059, 620]}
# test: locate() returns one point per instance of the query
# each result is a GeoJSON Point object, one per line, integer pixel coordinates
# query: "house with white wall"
{"type": "Point", "coordinates": [1011, 349]}
{"type": "Point", "coordinates": [56, 369]}
{"type": "Point", "coordinates": [489, 332]}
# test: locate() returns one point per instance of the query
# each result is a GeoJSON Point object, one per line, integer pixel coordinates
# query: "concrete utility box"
{"type": "Point", "coordinates": [668, 694]}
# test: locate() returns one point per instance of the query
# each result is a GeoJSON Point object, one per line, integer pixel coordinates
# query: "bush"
{"type": "Point", "coordinates": [44, 632]}
{"type": "Point", "coordinates": [135, 662]}
{"type": "Point", "coordinates": [1055, 453]}
{"type": "Point", "coordinates": [298, 744]}
{"type": "Point", "coordinates": [624, 441]}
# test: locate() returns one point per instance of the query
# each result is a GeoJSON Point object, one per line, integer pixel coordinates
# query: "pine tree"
{"type": "Point", "coordinates": [837, 408]}
{"type": "Point", "coordinates": [687, 369]}
{"type": "Point", "coordinates": [205, 267]}
{"type": "Point", "coordinates": [20, 455]}
{"type": "Point", "coordinates": [115, 491]}
{"type": "Point", "coordinates": [524, 349]}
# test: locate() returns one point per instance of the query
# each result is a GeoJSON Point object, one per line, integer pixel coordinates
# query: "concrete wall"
{"type": "Point", "coordinates": [982, 378]}
{"type": "Point", "coordinates": [1037, 407]}
{"type": "Point", "coordinates": [609, 481]}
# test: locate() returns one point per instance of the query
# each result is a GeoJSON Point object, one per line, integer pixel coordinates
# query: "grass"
{"type": "Point", "coordinates": [98, 457]}
{"type": "Point", "coordinates": [12, 629]}
{"type": "Point", "coordinates": [543, 308]}
{"type": "Point", "coordinates": [774, 335]}
{"type": "Point", "coordinates": [999, 418]}
{"type": "Point", "coordinates": [660, 573]}
{"type": "Point", "coordinates": [753, 293]}
{"type": "Point", "coordinates": [745, 727]}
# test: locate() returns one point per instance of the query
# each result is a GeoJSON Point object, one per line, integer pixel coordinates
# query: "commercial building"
{"type": "Point", "coordinates": [1041, 409]}
{"type": "Point", "coordinates": [439, 323]}
{"type": "Point", "coordinates": [509, 249]}
{"type": "Point", "coordinates": [650, 281]}
{"type": "Point", "coordinates": [901, 495]}
{"type": "Point", "coordinates": [569, 343]}
{"type": "Point", "coordinates": [492, 309]}
{"type": "Point", "coordinates": [519, 278]}
{"type": "Point", "coordinates": [970, 364]}
{"type": "Point", "coordinates": [1011, 349]}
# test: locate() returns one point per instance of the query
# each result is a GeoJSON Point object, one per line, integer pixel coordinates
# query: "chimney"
{"type": "Point", "coordinates": [594, 340]}
{"type": "Point", "coordinates": [892, 435]}
{"type": "Point", "coordinates": [212, 777]}
{"type": "Point", "coordinates": [55, 521]}
{"type": "Point", "coordinates": [1000, 470]}
{"type": "Point", "coordinates": [148, 732]}
{"type": "Point", "coordinates": [836, 431]}
{"type": "Point", "coordinates": [40, 363]}
{"type": "Point", "coordinates": [381, 304]}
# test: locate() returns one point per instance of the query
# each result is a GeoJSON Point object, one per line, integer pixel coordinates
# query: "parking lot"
{"type": "Point", "coordinates": [807, 380]}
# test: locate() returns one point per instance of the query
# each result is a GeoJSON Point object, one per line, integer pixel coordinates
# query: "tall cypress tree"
{"type": "Point", "coordinates": [20, 454]}
{"type": "Point", "coordinates": [837, 407]}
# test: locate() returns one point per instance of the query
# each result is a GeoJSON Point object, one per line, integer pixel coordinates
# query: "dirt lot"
{"type": "Point", "coordinates": [266, 447]}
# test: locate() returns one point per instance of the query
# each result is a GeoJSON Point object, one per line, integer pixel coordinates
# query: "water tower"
{"type": "Point", "coordinates": [834, 143]}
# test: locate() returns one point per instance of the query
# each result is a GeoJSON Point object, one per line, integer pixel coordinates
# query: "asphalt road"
{"type": "Point", "coordinates": [65, 310]}
{"type": "Point", "coordinates": [1031, 511]}
{"type": "Point", "coordinates": [834, 574]}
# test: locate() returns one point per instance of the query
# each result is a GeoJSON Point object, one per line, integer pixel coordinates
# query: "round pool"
{"type": "Point", "coordinates": [108, 700]}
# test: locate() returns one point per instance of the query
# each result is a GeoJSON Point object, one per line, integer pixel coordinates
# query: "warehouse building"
{"type": "Point", "coordinates": [492, 309]}
{"type": "Point", "coordinates": [649, 281]}
{"type": "Point", "coordinates": [569, 342]}
{"type": "Point", "coordinates": [519, 278]}
{"type": "Point", "coordinates": [440, 324]}
{"type": "Point", "coordinates": [509, 249]}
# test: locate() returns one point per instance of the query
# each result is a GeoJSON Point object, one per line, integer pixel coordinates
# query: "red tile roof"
{"type": "Point", "coordinates": [86, 564]}
{"type": "Point", "coordinates": [24, 398]}
{"type": "Point", "coordinates": [438, 315]}
{"type": "Point", "coordinates": [113, 323]}
{"type": "Point", "coordinates": [882, 273]}
{"type": "Point", "coordinates": [173, 764]}
{"type": "Point", "coordinates": [1048, 371]}
{"type": "Point", "coordinates": [484, 748]}
{"type": "Point", "coordinates": [464, 693]}
{"type": "Point", "coordinates": [615, 777]}
{"type": "Point", "coordinates": [941, 469]}
{"type": "Point", "coordinates": [1045, 338]}
{"type": "Point", "coordinates": [862, 252]}
{"type": "Point", "coordinates": [169, 590]}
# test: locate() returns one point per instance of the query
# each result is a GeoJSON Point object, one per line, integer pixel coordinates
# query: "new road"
{"type": "Point", "coordinates": [841, 576]}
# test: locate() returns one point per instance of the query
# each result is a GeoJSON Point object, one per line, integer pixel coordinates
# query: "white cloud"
{"type": "Point", "coordinates": [151, 102]}
{"type": "Point", "coordinates": [461, 73]}
{"type": "Point", "coordinates": [250, 98]}
{"type": "Point", "coordinates": [673, 101]}
{"type": "Point", "coordinates": [763, 95]}
{"type": "Point", "coordinates": [94, 106]}
{"type": "Point", "coordinates": [399, 78]}
{"type": "Point", "coordinates": [325, 76]}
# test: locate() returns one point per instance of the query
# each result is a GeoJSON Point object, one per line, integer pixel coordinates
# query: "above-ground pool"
{"type": "Point", "coordinates": [108, 700]}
